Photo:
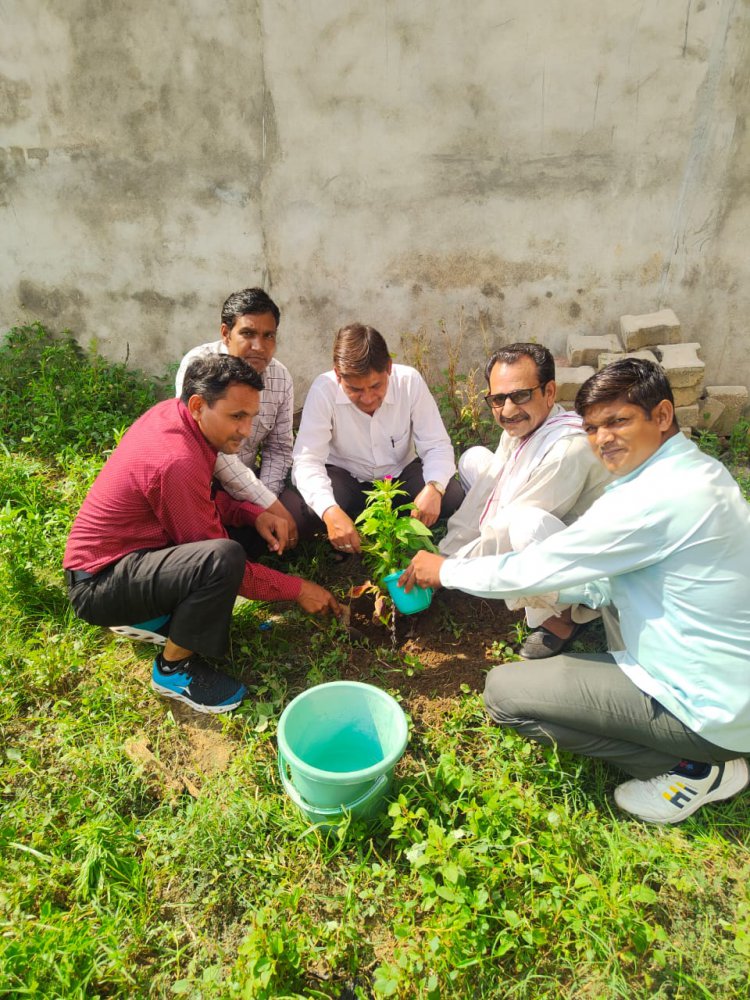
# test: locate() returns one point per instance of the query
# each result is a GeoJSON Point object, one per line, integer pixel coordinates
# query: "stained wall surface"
{"type": "Point", "coordinates": [523, 170]}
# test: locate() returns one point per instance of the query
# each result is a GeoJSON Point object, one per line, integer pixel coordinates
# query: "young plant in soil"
{"type": "Point", "coordinates": [390, 536]}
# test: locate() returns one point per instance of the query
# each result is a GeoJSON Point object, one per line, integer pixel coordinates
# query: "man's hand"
{"type": "Point", "coordinates": [427, 503]}
{"type": "Point", "coordinates": [424, 569]}
{"type": "Point", "coordinates": [341, 531]}
{"type": "Point", "coordinates": [279, 510]}
{"type": "Point", "coordinates": [317, 600]}
{"type": "Point", "coordinates": [274, 530]}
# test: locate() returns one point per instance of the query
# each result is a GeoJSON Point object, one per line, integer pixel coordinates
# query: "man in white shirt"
{"type": "Point", "coordinates": [366, 419]}
{"type": "Point", "coordinates": [541, 478]}
{"type": "Point", "coordinates": [249, 329]}
{"type": "Point", "coordinates": [668, 543]}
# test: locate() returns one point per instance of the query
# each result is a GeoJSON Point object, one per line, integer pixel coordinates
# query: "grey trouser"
{"type": "Point", "coordinates": [349, 494]}
{"type": "Point", "coordinates": [584, 703]}
{"type": "Point", "coordinates": [195, 583]}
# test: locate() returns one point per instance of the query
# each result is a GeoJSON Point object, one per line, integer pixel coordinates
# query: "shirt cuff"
{"type": "Point", "coordinates": [321, 505]}
{"type": "Point", "coordinates": [261, 583]}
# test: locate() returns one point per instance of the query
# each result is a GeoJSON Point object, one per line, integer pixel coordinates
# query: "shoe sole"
{"type": "Point", "coordinates": [726, 791]}
{"type": "Point", "coordinates": [138, 633]}
{"type": "Point", "coordinates": [205, 709]}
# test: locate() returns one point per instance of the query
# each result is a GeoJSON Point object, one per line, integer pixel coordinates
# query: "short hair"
{"type": "Point", "coordinates": [212, 375]}
{"type": "Point", "coordinates": [512, 354]}
{"type": "Point", "coordinates": [359, 349]}
{"type": "Point", "coordinates": [632, 380]}
{"type": "Point", "coordinates": [248, 302]}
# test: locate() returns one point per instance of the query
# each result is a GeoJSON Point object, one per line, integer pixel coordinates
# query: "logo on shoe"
{"type": "Point", "coordinates": [680, 795]}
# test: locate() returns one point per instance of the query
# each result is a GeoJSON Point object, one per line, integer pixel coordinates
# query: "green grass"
{"type": "Point", "coordinates": [498, 870]}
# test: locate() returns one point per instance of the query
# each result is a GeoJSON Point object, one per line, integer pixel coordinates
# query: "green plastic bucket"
{"type": "Point", "coordinates": [338, 746]}
{"type": "Point", "coordinates": [417, 599]}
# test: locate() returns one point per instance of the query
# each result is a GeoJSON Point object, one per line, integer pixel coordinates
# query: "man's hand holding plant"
{"type": "Point", "coordinates": [341, 531]}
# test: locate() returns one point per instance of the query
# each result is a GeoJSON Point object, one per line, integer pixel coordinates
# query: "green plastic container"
{"type": "Point", "coordinates": [417, 599]}
{"type": "Point", "coordinates": [338, 746]}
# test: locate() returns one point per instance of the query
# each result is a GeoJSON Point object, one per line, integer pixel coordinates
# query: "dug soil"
{"type": "Point", "coordinates": [433, 656]}
{"type": "Point", "coordinates": [444, 650]}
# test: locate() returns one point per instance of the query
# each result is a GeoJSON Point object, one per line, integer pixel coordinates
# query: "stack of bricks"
{"type": "Point", "coordinates": [657, 337]}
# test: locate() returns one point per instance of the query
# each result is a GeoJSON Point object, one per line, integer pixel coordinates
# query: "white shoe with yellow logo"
{"type": "Point", "coordinates": [672, 797]}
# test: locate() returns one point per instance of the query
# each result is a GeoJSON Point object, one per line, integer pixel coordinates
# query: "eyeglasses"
{"type": "Point", "coordinates": [496, 401]}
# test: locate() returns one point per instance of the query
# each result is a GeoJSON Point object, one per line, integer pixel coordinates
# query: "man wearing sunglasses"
{"type": "Point", "coordinates": [668, 544]}
{"type": "Point", "coordinates": [541, 478]}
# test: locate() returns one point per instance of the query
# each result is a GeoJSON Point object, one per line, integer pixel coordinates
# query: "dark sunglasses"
{"type": "Point", "coordinates": [496, 401]}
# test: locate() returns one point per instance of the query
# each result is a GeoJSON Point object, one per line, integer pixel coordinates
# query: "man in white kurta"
{"type": "Point", "coordinates": [542, 477]}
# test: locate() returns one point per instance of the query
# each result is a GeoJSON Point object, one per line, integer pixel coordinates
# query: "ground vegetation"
{"type": "Point", "coordinates": [146, 851]}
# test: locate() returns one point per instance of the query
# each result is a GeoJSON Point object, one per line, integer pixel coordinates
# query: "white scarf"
{"type": "Point", "coordinates": [526, 456]}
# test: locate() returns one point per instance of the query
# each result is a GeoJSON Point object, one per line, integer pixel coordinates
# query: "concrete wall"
{"type": "Point", "coordinates": [534, 168]}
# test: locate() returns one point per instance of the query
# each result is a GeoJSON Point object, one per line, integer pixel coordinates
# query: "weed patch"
{"type": "Point", "coordinates": [144, 854]}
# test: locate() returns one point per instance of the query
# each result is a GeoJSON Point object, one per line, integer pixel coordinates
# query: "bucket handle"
{"type": "Point", "coordinates": [297, 799]}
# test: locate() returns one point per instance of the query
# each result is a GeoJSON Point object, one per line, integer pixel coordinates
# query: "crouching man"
{"type": "Point", "coordinates": [668, 544]}
{"type": "Point", "coordinates": [542, 477]}
{"type": "Point", "coordinates": [366, 419]}
{"type": "Point", "coordinates": [151, 541]}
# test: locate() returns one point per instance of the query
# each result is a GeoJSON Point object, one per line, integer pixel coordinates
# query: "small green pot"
{"type": "Point", "coordinates": [417, 599]}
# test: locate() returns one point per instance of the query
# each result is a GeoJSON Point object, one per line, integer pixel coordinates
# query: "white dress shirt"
{"type": "Point", "coordinates": [333, 431]}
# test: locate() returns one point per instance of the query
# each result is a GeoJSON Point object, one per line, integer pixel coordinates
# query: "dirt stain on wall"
{"type": "Point", "coordinates": [57, 307]}
{"type": "Point", "coordinates": [13, 97]}
{"type": "Point", "coordinates": [468, 270]}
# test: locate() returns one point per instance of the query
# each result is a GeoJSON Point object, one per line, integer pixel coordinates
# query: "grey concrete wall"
{"type": "Point", "coordinates": [526, 169]}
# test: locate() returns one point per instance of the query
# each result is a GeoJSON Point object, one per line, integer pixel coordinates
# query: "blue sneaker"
{"type": "Point", "coordinates": [156, 630]}
{"type": "Point", "coordinates": [201, 687]}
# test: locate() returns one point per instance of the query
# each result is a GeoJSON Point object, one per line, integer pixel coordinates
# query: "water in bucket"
{"type": "Point", "coordinates": [346, 751]}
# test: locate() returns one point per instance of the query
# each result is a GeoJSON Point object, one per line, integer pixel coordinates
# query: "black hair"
{"type": "Point", "coordinates": [633, 380]}
{"type": "Point", "coordinates": [211, 376]}
{"type": "Point", "coordinates": [512, 354]}
{"type": "Point", "coordinates": [248, 302]}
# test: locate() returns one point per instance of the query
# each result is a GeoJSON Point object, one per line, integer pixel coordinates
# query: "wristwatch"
{"type": "Point", "coordinates": [438, 486]}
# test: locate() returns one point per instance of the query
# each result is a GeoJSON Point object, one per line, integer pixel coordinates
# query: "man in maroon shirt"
{"type": "Point", "coordinates": [150, 540]}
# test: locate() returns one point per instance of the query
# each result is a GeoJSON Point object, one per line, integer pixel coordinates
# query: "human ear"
{"type": "Point", "coordinates": [195, 406]}
{"type": "Point", "coordinates": [663, 414]}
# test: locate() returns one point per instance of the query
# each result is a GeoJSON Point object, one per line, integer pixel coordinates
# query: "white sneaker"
{"type": "Point", "coordinates": [671, 798]}
{"type": "Point", "coordinates": [156, 630]}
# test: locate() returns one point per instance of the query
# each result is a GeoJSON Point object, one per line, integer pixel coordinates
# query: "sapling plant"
{"type": "Point", "coordinates": [390, 535]}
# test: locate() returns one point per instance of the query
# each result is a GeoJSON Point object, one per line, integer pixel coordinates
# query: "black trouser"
{"type": "Point", "coordinates": [196, 584]}
{"type": "Point", "coordinates": [350, 496]}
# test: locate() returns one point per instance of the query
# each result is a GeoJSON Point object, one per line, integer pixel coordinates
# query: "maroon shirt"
{"type": "Point", "coordinates": [155, 492]}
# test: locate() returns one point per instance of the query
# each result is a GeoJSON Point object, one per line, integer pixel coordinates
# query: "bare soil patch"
{"type": "Point", "coordinates": [445, 649]}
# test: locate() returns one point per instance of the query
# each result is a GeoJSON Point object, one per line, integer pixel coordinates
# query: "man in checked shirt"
{"type": "Point", "coordinates": [249, 328]}
{"type": "Point", "coordinates": [152, 544]}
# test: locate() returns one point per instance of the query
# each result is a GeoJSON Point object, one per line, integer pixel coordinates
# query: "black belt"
{"type": "Point", "coordinates": [74, 576]}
